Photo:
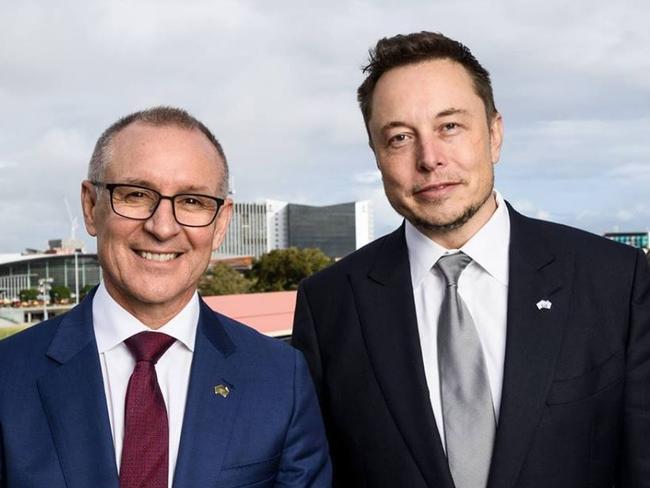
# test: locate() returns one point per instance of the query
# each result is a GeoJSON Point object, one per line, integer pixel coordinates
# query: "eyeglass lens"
{"type": "Point", "coordinates": [140, 203]}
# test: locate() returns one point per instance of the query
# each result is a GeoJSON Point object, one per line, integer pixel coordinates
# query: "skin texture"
{"type": "Point", "coordinates": [435, 149]}
{"type": "Point", "coordinates": [170, 160]}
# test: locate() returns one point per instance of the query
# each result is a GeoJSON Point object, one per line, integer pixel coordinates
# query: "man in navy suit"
{"type": "Point", "coordinates": [142, 384]}
{"type": "Point", "coordinates": [473, 347]}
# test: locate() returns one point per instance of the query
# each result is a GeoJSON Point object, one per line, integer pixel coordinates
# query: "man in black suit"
{"type": "Point", "coordinates": [473, 346]}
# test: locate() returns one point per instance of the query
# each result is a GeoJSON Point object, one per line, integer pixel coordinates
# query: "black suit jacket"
{"type": "Point", "coordinates": [575, 408]}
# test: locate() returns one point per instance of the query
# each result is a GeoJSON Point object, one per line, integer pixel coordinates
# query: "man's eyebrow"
{"type": "Point", "coordinates": [451, 111]}
{"type": "Point", "coordinates": [443, 113]}
{"type": "Point", "coordinates": [391, 125]}
{"type": "Point", "coordinates": [134, 181]}
{"type": "Point", "coordinates": [148, 184]}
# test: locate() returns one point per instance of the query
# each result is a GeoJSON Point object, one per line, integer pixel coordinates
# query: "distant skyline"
{"type": "Point", "coordinates": [276, 82]}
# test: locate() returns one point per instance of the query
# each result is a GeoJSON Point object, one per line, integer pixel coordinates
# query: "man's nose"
{"type": "Point", "coordinates": [162, 224]}
{"type": "Point", "coordinates": [429, 153]}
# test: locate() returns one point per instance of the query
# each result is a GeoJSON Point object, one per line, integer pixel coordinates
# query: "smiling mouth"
{"type": "Point", "coordinates": [160, 257]}
{"type": "Point", "coordinates": [438, 187]}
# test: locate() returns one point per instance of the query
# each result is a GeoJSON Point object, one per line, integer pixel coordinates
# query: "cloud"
{"type": "Point", "coordinates": [624, 215]}
{"type": "Point", "coordinates": [7, 164]}
{"type": "Point", "coordinates": [530, 208]}
{"type": "Point", "coordinates": [368, 177]}
{"type": "Point", "coordinates": [276, 82]}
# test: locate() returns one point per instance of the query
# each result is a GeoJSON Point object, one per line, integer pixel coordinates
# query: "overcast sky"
{"type": "Point", "coordinates": [276, 82]}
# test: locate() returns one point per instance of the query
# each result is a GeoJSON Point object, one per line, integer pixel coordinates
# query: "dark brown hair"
{"type": "Point", "coordinates": [159, 117]}
{"type": "Point", "coordinates": [401, 50]}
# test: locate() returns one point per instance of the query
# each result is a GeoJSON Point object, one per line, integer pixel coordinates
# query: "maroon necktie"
{"type": "Point", "coordinates": [145, 449]}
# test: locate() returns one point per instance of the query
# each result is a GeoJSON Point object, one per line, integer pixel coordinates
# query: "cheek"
{"type": "Point", "coordinates": [113, 237]}
{"type": "Point", "coordinates": [395, 173]}
{"type": "Point", "coordinates": [202, 243]}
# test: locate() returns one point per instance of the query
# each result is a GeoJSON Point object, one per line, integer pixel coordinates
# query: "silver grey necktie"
{"type": "Point", "coordinates": [467, 408]}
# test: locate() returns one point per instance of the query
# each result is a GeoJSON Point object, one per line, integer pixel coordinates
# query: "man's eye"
{"type": "Point", "coordinates": [133, 196]}
{"type": "Point", "coordinates": [398, 140]}
{"type": "Point", "coordinates": [195, 202]}
{"type": "Point", "coordinates": [450, 126]}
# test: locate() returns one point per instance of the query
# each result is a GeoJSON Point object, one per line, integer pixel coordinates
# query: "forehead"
{"type": "Point", "coordinates": [169, 158]}
{"type": "Point", "coordinates": [432, 85]}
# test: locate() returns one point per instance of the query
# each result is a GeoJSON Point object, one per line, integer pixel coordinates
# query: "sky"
{"type": "Point", "coordinates": [276, 82]}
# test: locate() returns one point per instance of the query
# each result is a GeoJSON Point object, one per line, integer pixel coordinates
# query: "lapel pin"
{"type": "Point", "coordinates": [544, 304]}
{"type": "Point", "coordinates": [222, 390]}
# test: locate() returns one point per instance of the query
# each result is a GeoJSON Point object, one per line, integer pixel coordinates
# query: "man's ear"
{"type": "Point", "coordinates": [221, 227]}
{"type": "Point", "coordinates": [496, 137]}
{"type": "Point", "coordinates": [89, 205]}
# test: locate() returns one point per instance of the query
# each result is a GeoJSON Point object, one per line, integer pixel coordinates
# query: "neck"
{"type": "Point", "coordinates": [153, 315]}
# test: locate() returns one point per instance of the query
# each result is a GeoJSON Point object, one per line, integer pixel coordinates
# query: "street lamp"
{"type": "Point", "coordinates": [76, 276]}
{"type": "Point", "coordinates": [44, 287]}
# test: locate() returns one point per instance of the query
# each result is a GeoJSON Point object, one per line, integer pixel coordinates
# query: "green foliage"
{"type": "Point", "coordinates": [60, 292]}
{"type": "Point", "coordinates": [28, 294]}
{"type": "Point", "coordinates": [85, 290]}
{"type": "Point", "coordinates": [221, 279]}
{"type": "Point", "coordinates": [283, 269]}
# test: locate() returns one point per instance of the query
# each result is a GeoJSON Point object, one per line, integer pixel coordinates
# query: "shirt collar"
{"type": "Point", "coordinates": [488, 247]}
{"type": "Point", "coordinates": [113, 324]}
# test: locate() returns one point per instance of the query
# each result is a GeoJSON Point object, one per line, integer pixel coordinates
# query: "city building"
{"type": "Point", "coordinates": [65, 263]}
{"type": "Point", "coordinates": [257, 228]}
{"type": "Point", "coordinates": [640, 240]}
{"type": "Point", "coordinates": [337, 230]}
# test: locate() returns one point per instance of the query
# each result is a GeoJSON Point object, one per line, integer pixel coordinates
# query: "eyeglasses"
{"type": "Point", "coordinates": [140, 203]}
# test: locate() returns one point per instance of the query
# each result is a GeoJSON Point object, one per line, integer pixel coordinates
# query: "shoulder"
{"type": "Point", "coordinates": [360, 261]}
{"type": "Point", "coordinates": [34, 339]}
{"type": "Point", "coordinates": [23, 355]}
{"type": "Point", "coordinates": [586, 247]}
{"type": "Point", "coordinates": [244, 341]}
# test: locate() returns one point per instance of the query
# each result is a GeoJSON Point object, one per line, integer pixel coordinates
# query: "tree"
{"type": "Point", "coordinates": [221, 279]}
{"type": "Point", "coordinates": [85, 290]}
{"type": "Point", "coordinates": [28, 294]}
{"type": "Point", "coordinates": [283, 269]}
{"type": "Point", "coordinates": [59, 293]}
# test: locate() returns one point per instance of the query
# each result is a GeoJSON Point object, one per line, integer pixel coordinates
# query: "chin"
{"type": "Point", "coordinates": [150, 292]}
{"type": "Point", "coordinates": [443, 223]}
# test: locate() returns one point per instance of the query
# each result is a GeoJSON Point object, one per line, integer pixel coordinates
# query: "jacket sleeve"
{"type": "Point", "coordinates": [305, 459]}
{"type": "Point", "coordinates": [635, 460]}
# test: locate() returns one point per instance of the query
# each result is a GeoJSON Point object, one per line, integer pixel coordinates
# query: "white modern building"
{"type": "Point", "coordinates": [257, 228]}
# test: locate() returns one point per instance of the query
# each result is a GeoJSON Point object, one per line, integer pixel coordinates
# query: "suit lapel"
{"type": "Point", "coordinates": [532, 344]}
{"type": "Point", "coordinates": [73, 399]}
{"type": "Point", "coordinates": [389, 324]}
{"type": "Point", "coordinates": [208, 416]}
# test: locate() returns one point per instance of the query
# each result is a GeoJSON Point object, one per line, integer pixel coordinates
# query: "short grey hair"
{"type": "Point", "coordinates": [160, 116]}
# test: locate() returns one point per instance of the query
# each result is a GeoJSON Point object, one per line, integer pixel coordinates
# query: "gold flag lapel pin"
{"type": "Point", "coordinates": [222, 390]}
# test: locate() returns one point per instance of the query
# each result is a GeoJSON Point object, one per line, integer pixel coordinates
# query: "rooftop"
{"type": "Point", "coordinates": [19, 258]}
{"type": "Point", "coordinates": [270, 313]}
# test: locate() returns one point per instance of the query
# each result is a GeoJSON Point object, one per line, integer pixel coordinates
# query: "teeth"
{"type": "Point", "coordinates": [158, 257]}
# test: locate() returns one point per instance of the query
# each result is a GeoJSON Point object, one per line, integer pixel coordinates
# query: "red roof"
{"type": "Point", "coordinates": [270, 313]}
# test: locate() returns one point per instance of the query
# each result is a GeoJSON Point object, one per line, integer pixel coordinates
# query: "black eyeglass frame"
{"type": "Point", "coordinates": [111, 187]}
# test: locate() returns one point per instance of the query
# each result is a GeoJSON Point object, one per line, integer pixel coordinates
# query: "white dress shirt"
{"type": "Point", "coordinates": [483, 286]}
{"type": "Point", "coordinates": [113, 324]}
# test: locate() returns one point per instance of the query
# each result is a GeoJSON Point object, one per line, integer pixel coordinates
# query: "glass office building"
{"type": "Point", "coordinates": [257, 228]}
{"type": "Point", "coordinates": [640, 240]}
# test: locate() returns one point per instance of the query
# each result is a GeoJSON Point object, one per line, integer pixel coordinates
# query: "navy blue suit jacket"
{"type": "Point", "coordinates": [575, 407]}
{"type": "Point", "coordinates": [55, 431]}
